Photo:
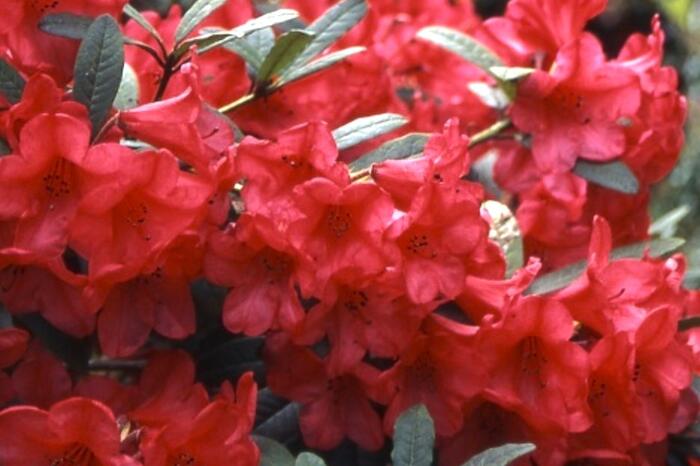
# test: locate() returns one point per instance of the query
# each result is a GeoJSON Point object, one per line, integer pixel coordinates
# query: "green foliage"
{"type": "Point", "coordinates": [286, 49]}
{"type": "Point", "coordinates": [309, 459]}
{"type": "Point", "coordinates": [414, 437]}
{"type": "Point", "coordinates": [11, 82]}
{"type": "Point", "coordinates": [408, 146]}
{"type": "Point", "coordinates": [330, 27]}
{"type": "Point", "coordinates": [367, 128]}
{"type": "Point", "coordinates": [501, 456]}
{"type": "Point", "coordinates": [612, 175]}
{"type": "Point", "coordinates": [273, 453]}
{"type": "Point", "coordinates": [65, 25]}
{"type": "Point", "coordinates": [128, 94]}
{"type": "Point", "coordinates": [561, 278]}
{"type": "Point", "coordinates": [197, 13]}
{"type": "Point", "coordinates": [98, 69]}
{"type": "Point", "coordinates": [461, 44]}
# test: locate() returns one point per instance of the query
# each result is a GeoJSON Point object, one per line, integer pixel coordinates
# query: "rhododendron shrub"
{"type": "Point", "coordinates": [365, 231]}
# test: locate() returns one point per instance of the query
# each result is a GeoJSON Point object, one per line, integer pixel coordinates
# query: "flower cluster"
{"type": "Point", "coordinates": [375, 289]}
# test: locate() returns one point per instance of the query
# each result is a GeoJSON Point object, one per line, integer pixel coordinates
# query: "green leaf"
{"type": "Point", "coordinates": [11, 83]}
{"type": "Point", "coordinates": [414, 438]}
{"type": "Point", "coordinates": [510, 73]}
{"type": "Point", "coordinates": [128, 93]}
{"type": "Point", "coordinates": [367, 128]}
{"type": "Point", "coordinates": [287, 48]}
{"type": "Point", "coordinates": [506, 233]}
{"type": "Point", "coordinates": [273, 453]}
{"type": "Point", "coordinates": [410, 145]}
{"type": "Point", "coordinates": [330, 27]}
{"type": "Point", "coordinates": [98, 69]}
{"type": "Point", "coordinates": [282, 425]}
{"type": "Point", "coordinates": [492, 97]}
{"type": "Point", "coordinates": [688, 323]}
{"type": "Point", "coordinates": [135, 15]}
{"type": "Point", "coordinates": [66, 25]}
{"type": "Point", "coordinates": [253, 48]}
{"type": "Point", "coordinates": [667, 225]}
{"type": "Point", "coordinates": [4, 147]}
{"type": "Point", "coordinates": [323, 62]}
{"type": "Point", "coordinates": [501, 456]}
{"type": "Point", "coordinates": [462, 45]}
{"type": "Point", "coordinates": [197, 13]}
{"type": "Point", "coordinates": [561, 278]}
{"type": "Point", "coordinates": [309, 459]}
{"type": "Point", "coordinates": [612, 175]}
{"type": "Point", "coordinates": [220, 37]}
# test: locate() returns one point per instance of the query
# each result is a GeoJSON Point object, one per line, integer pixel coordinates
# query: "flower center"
{"type": "Point", "coordinates": [532, 360]}
{"type": "Point", "coordinates": [183, 459]}
{"type": "Point", "coordinates": [338, 221]}
{"type": "Point", "coordinates": [58, 181]}
{"type": "Point", "coordinates": [275, 264]}
{"type": "Point", "coordinates": [76, 455]}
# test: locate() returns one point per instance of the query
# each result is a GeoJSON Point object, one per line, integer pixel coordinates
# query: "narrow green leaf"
{"type": "Point", "coordinates": [612, 175]}
{"type": "Point", "coordinates": [510, 73]}
{"type": "Point", "coordinates": [506, 233]}
{"type": "Point", "coordinates": [128, 93]}
{"type": "Point", "coordinates": [688, 323]}
{"type": "Point", "coordinates": [657, 248]}
{"type": "Point", "coordinates": [414, 438]}
{"type": "Point", "coordinates": [461, 44]}
{"type": "Point", "coordinates": [667, 224]}
{"type": "Point", "coordinates": [11, 83]}
{"type": "Point", "coordinates": [197, 13]}
{"type": "Point", "coordinates": [313, 67]}
{"type": "Point", "coordinates": [4, 147]}
{"type": "Point", "coordinates": [254, 48]}
{"type": "Point", "coordinates": [492, 97]}
{"type": "Point", "coordinates": [330, 27]}
{"type": "Point", "coordinates": [65, 25]}
{"type": "Point", "coordinates": [98, 69]}
{"type": "Point", "coordinates": [287, 48]}
{"type": "Point", "coordinates": [309, 459]}
{"type": "Point", "coordinates": [410, 145]}
{"type": "Point", "coordinates": [501, 456]}
{"type": "Point", "coordinates": [221, 37]}
{"type": "Point", "coordinates": [135, 15]}
{"type": "Point", "coordinates": [273, 453]}
{"type": "Point", "coordinates": [561, 278]}
{"type": "Point", "coordinates": [367, 128]}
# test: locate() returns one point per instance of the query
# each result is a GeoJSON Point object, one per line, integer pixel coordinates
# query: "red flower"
{"type": "Point", "coordinates": [13, 344]}
{"type": "Point", "coordinates": [30, 285]}
{"type": "Point", "coordinates": [612, 398]}
{"type": "Point", "coordinates": [197, 134]}
{"type": "Point", "coordinates": [440, 369]}
{"type": "Point", "coordinates": [40, 379]}
{"type": "Point", "coordinates": [41, 184]}
{"type": "Point", "coordinates": [273, 169]}
{"type": "Point", "coordinates": [574, 110]}
{"type": "Point", "coordinates": [156, 298]}
{"type": "Point", "coordinates": [445, 159]}
{"type": "Point", "coordinates": [75, 431]}
{"type": "Point", "coordinates": [34, 50]}
{"type": "Point", "coordinates": [436, 238]}
{"type": "Point", "coordinates": [260, 267]}
{"type": "Point", "coordinates": [534, 369]}
{"type": "Point", "coordinates": [617, 296]}
{"type": "Point", "coordinates": [167, 386]}
{"type": "Point", "coordinates": [541, 28]}
{"type": "Point", "coordinates": [663, 369]}
{"type": "Point", "coordinates": [334, 405]}
{"type": "Point", "coordinates": [137, 204]}
{"type": "Point", "coordinates": [343, 228]}
{"type": "Point", "coordinates": [360, 314]}
{"type": "Point", "coordinates": [218, 434]}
